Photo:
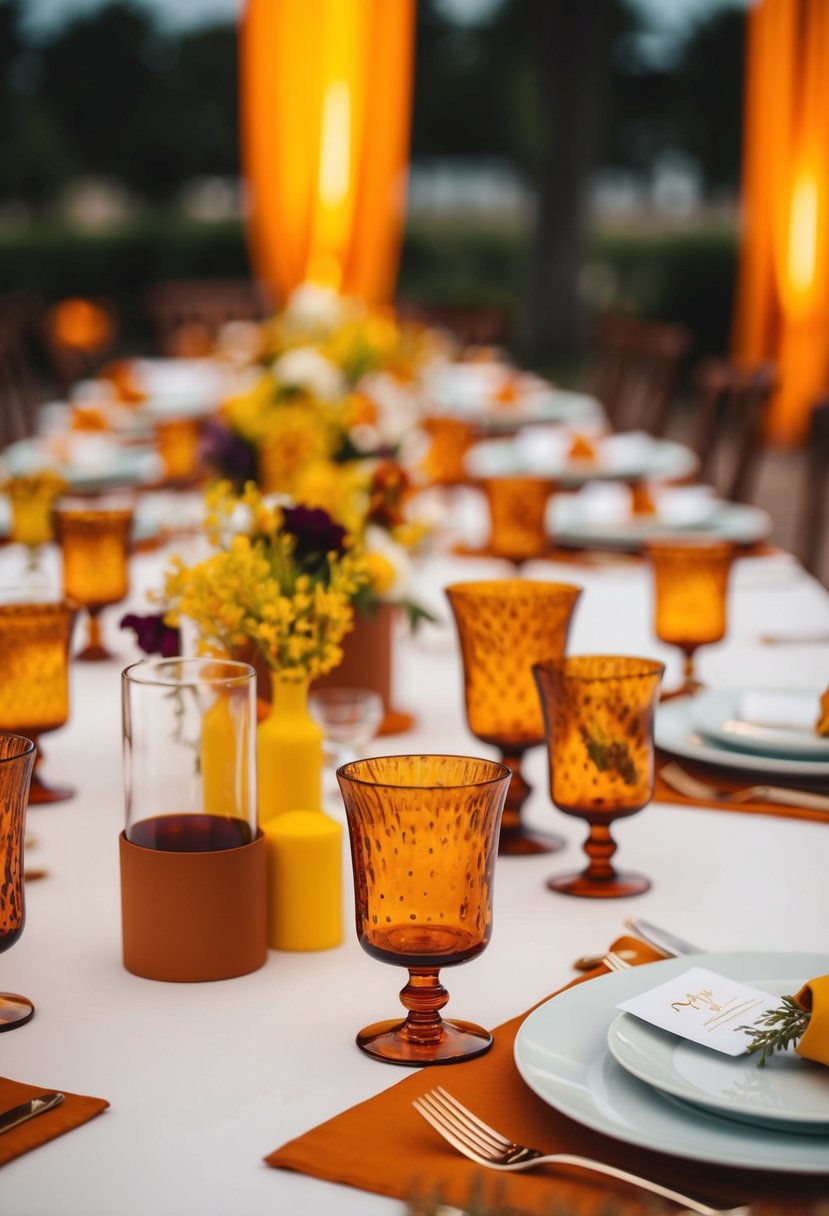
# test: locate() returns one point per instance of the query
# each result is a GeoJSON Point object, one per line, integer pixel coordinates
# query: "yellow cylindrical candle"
{"type": "Point", "coordinates": [289, 753]}
{"type": "Point", "coordinates": [304, 881]}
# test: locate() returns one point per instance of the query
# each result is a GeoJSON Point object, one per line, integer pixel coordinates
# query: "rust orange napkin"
{"type": "Point", "coordinates": [383, 1145]}
{"type": "Point", "coordinates": [72, 1112]}
{"type": "Point", "coordinates": [662, 792]}
{"type": "Point", "coordinates": [814, 1042]}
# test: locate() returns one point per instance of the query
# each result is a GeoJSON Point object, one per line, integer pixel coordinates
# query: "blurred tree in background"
{"type": "Point", "coordinates": [111, 94]}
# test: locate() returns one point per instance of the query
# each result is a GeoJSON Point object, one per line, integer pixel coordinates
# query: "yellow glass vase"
{"type": "Point", "coordinates": [289, 753]}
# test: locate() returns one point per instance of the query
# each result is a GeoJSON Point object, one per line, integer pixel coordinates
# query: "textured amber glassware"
{"type": "Point", "coordinates": [690, 580]}
{"type": "Point", "coordinates": [423, 833]}
{"type": "Point", "coordinates": [32, 498]}
{"type": "Point", "coordinates": [177, 440]}
{"type": "Point", "coordinates": [517, 516]}
{"type": "Point", "coordinates": [505, 626]}
{"type": "Point", "coordinates": [94, 543]}
{"type": "Point", "coordinates": [449, 441]}
{"type": "Point", "coordinates": [17, 756]}
{"type": "Point", "coordinates": [598, 711]}
{"type": "Point", "coordinates": [35, 634]}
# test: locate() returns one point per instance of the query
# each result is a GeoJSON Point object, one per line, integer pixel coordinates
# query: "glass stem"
{"type": "Point", "coordinates": [517, 794]}
{"type": "Point", "coordinates": [600, 847]}
{"type": "Point", "coordinates": [424, 996]}
{"type": "Point", "coordinates": [94, 631]}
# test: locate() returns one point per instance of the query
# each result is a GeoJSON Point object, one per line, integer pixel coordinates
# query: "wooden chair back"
{"type": "Point", "coordinates": [18, 394]}
{"type": "Point", "coordinates": [812, 522]}
{"type": "Point", "coordinates": [478, 325]}
{"type": "Point", "coordinates": [732, 404]}
{"type": "Point", "coordinates": [200, 307]}
{"type": "Point", "coordinates": [633, 369]}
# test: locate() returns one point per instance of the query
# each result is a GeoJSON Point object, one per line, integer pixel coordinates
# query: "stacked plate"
{"type": "Point", "coordinates": [618, 1075]}
{"type": "Point", "coordinates": [764, 732]}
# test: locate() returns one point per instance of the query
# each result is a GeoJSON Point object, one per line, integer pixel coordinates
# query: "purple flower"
{"type": "Point", "coordinates": [227, 453]}
{"type": "Point", "coordinates": [152, 635]}
{"type": "Point", "coordinates": [316, 532]}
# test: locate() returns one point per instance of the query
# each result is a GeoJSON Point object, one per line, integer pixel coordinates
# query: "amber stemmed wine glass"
{"type": "Point", "coordinates": [599, 712]}
{"type": "Point", "coordinates": [423, 832]}
{"type": "Point", "coordinates": [690, 580]}
{"type": "Point", "coordinates": [518, 516]}
{"type": "Point", "coordinates": [17, 757]}
{"type": "Point", "coordinates": [505, 627]}
{"type": "Point", "coordinates": [94, 542]}
{"type": "Point", "coordinates": [35, 635]}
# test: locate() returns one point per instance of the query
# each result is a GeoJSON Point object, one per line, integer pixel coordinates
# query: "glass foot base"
{"type": "Point", "coordinates": [395, 722]}
{"type": "Point", "coordinates": [388, 1041]}
{"type": "Point", "coordinates": [40, 793]}
{"type": "Point", "coordinates": [524, 842]}
{"type": "Point", "coordinates": [616, 887]}
{"type": "Point", "coordinates": [93, 654]}
{"type": "Point", "coordinates": [14, 1011]}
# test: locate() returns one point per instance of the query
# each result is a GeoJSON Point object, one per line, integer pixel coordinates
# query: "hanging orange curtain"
{"type": "Point", "coordinates": [782, 310]}
{"type": "Point", "coordinates": [326, 90]}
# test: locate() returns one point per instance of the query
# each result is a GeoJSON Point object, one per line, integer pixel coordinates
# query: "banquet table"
{"type": "Point", "coordinates": [204, 1080]}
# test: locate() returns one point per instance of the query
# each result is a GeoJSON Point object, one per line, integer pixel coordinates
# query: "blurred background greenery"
{"type": "Point", "coordinates": [121, 162]}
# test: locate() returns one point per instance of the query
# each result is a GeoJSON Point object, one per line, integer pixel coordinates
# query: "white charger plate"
{"type": "Point", "coordinates": [675, 732]}
{"type": "Point", "coordinates": [715, 715]}
{"type": "Point", "coordinates": [745, 525]}
{"type": "Point", "coordinates": [787, 1093]}
{"type": "Point", "coordinates": [561, 1052]}
{"type": "Point", "coordinates": [663, 461]}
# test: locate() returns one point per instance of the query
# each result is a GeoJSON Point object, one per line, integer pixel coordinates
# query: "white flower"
{"type": "Point", "coordinates": [315, 310]}
{"type": "Point", "coordinates": [306, 368]}
{"type": "Point", "coordinates": [377, 540]}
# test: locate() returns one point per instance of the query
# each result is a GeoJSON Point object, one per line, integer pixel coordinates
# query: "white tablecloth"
{"type": "Point", "coordinates": [205, 1079]}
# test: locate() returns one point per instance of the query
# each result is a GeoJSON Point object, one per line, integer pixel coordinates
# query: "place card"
{"type": "Point", "coordinates": [704, 1007]}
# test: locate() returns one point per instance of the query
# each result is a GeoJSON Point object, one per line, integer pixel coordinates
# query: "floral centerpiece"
{"type": "Point", "coordinates": [332, 382]}
{"type": "Point", "coordinates": [278, 587]}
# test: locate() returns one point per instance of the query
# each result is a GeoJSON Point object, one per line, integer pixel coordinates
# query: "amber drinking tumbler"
{"type": "Point", "coordinates": [599, 712]}
{"type": "Point", "coordinates": [505, 626]}
{"type": "Point", "coordinates": [517, 516]}
{"type": "Point", "coordinates": [690, 580]}
{"type": "Point", "coordinates": [17, 756]}
{"type": "Point", "coordinates": [94, 542]}
{"type": "Point", "coordinates": [423, 833]}
{"type": "Point", "coordinates": [35, 634]}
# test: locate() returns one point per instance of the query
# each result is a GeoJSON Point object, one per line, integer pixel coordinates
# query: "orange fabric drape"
{"type": "Point", "coordinates": [782, 310]}
{"type": "Point", "coordinates": [326, 90]}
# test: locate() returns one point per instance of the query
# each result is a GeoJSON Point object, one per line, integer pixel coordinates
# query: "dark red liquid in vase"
{"type": "Point", "coordinates": [190, 833]}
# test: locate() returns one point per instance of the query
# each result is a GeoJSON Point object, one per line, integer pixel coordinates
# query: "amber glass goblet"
{"type": "Point", "coordinates": [32, 497]}
{"type": "Point", "coordinates": [690, 579]}
{"type": "Point", "coordinates": [177, 441]}
{"type": "Point", "coordinates": [17, 757]}
{"type": "Point", "coordinates": [449, 441]}
{"type": "Point", "coordinates": [599, 712]}
{"type": "Point", "coordinates": [35, 634]}
{"type": "Point", "coordinates": [94, 543]}
{"type": "Point", "coordinates": [505, 627]}
{"type": "Point", "coordinates": [423, 831]}
{"type": "Point", "coordinates": [517, 516]}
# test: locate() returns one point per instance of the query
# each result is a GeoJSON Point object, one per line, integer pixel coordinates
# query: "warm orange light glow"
{"type": "Point", "coordinates": [803, 234]}
{"type": "Point", "coordinates": [783, 291]}
{"type": "Point", "coordinates": [326, 104]}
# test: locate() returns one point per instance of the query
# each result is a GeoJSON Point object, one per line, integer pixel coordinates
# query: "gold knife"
{"type": "Point", "coordinates": [28, 1110]}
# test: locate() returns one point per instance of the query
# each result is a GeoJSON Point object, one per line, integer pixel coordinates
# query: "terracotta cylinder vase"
{"type": "Point", "coordinates": [368, 658]}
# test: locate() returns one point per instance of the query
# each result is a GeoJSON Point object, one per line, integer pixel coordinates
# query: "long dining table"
{"type": "Point", "coordinates": [204, 1080]}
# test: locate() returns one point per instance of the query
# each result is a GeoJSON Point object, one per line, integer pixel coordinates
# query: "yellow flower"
{"type": "Point", "coordinates": [381, 573]}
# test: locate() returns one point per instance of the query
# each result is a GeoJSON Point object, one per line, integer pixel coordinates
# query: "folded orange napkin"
{"type": "Point", "coordinates": [72, 1112]}
{"type": "Point", "coordinates": [662, 792]}
{"type": "Point", "coordinates": [814, 998]}
{"type": "Point", "coordinates": [384, 1146]}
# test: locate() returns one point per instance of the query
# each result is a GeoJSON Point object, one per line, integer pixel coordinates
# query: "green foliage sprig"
{"type": "Point", "coordinates": [786, 1024]}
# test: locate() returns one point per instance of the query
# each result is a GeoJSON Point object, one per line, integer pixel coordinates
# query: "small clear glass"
{"type": "Point", "coordinates": [349, 717]}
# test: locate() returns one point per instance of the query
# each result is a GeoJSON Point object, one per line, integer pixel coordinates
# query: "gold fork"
{"type": "Point", "coordinates": [481, 1143]}
{"type": "Point", "coordinates": [684, 783]}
